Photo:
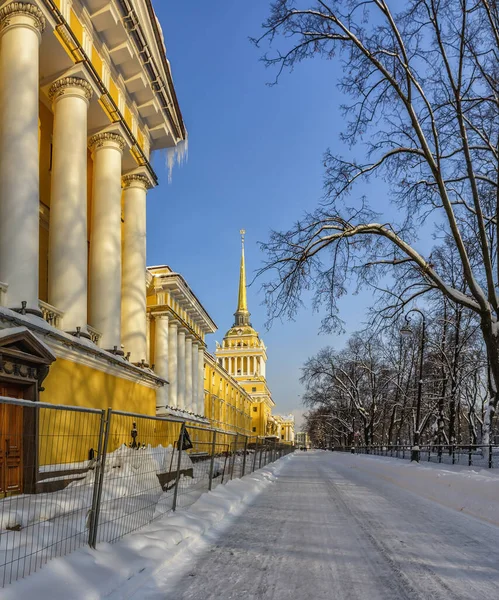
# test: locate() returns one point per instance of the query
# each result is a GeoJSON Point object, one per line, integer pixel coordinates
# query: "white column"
{"type": "Point", "coordinates": [188, 375]}
{"type": "Point", "coordinates": [172, 363]}
{"type": "Point", "coordinates": [133, 305]}
{"type": "Point", "coordinates": [68, 245]}
{"type": "Point", "coordinates": [21, 26]}
{"type": "Point", "coordinates": [148, 337]}
{"type": "Point", "coordinates": [195, 377]}
{"type": "Point", "coordinates": [262, 365]}
{"type": "Point", "coordinates": [181, 369]}
{"type": "Point", "coordinates": [200, 397]}
{"type": "Point", "coordinates": [105, 240]}
{"type": "Point", "coordinates": [161, 355]}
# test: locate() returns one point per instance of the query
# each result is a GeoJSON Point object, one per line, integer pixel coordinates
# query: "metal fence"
{"type": "Point", "coordinates": [72, 476]}
{"type": "Point", "coordinates": [471, 455]}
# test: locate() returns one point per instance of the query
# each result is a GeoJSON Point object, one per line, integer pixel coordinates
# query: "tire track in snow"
{"type": "Point", "coordinates": [444, 554]}
{"type": "Point", "coordinates": [439, 589]}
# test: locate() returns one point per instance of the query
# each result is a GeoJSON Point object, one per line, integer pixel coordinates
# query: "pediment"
{"type": "Point", "coordinates": [22, 343]}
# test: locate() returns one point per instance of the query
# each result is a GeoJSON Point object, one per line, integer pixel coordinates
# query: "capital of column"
{"type": "Point", "coordinates": [160, 317]}
{"type": "Point", "coordinates": [70, 86]}
{"type": "Point", "coordinates": [22, 14]}
{"type": "Point", "coordinates": [106, 139]}
{"type": "Point", "coordinates": [136, 180]}
{"type": "Point", "coordinates": [173, 325]}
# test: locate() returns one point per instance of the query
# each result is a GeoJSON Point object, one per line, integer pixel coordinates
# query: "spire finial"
{"type": "Point", "coordinates": [242, 314]}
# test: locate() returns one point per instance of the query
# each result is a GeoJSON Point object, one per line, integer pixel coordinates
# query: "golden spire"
{"type": "Point", "coordinates": [242, 315]}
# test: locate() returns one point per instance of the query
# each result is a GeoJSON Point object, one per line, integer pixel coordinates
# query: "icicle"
{"type": "Point", "coordinates": [177, 155]}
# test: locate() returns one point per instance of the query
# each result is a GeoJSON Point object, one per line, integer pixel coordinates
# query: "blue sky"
{"type": "Point", "coordinates": [255, 162]}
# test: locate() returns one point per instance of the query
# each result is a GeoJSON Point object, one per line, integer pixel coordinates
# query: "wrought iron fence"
{"type": "Point", "coordinates": [477, 455]}
{"type": "Point", "coordinates": [71, 476]}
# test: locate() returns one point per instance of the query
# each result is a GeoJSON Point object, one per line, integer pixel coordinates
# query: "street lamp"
{"type": "Point", "coordinates": [406, 330]}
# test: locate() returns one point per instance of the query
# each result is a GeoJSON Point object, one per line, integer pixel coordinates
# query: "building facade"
{"type": "Point", "coordinates": [86, 98]}
{"type": "Point", "coordinates": [286, 428]}
{"type": "Point", "coordinates": [302, 439]}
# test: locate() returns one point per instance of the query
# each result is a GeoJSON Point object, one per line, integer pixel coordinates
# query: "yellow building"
{"type": "Point", "coordinates": [285, 428]}
{"type": "Point", "coordinates": [86, 97]}
{"type": "Point", "coordinates": [227, 404]}
{"type": "Point", "coordinates": [244, 355]}
{"type": "Point", "coordinates": [199, 388]}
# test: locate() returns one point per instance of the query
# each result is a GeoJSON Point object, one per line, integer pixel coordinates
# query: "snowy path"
{"type": "Point", "coordinates": [329, 530]}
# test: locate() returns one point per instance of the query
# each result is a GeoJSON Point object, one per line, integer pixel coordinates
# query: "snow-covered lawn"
{"type": "Point", "coordinates": [91, 574]}
{"type": "Point", "coordinates": [472, 490]}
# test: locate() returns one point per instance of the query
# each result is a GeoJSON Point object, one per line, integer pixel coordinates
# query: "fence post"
{"type": "Point", "coordinates": [254, 456]}
{"type": "Point", "coordinates": [490, 454]}
{"type": "Point", "coordinates": [99, 476]}
{"type": "Point", "coordinates": [453, 454]}
{"type": "Point", "coordinates": [234, 457]}
{"type": "Point", "coordinates": [212, 461]}
{"type": "Point", "coordinates": [260, 459]}
{"type": "Point", "coordinates": [244, 457]}
{"type": "Point", "coordinates": [179, 460]}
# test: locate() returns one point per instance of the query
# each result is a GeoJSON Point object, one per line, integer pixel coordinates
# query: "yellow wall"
{"type": "Point", "coordinates": [46, 121]}
{"type": "Point", "coordinates": [227, 406]}
{"type": "Point", "coordinates": [67, 436]}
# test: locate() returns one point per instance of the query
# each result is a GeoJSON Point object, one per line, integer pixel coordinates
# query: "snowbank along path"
{"type": "Point", "coordinates": [336, 527]}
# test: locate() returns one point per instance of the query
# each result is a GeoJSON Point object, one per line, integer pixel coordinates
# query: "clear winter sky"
{"type": "Point", "coordinates": [255, 162]}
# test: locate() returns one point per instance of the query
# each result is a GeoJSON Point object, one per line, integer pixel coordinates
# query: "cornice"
{"type": "Point", "coordinates": [106, 138]}
{"type": "Point", "coordinates": [60, 87]}
{"type": "Point", "coordinates": [22, 8]}
{"type": "Point", "coordinates": [82, 351]}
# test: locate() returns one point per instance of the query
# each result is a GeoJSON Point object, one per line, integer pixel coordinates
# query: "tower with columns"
{"type": "Point", "coordinates": [244, 356]}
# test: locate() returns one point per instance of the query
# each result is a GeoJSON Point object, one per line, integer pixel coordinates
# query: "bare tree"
{"type": "Point", "coordinates": [424, 116]}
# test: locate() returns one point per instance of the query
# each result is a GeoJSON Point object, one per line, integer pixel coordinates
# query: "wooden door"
{"type": "Point", "coordinates": [11, 441]}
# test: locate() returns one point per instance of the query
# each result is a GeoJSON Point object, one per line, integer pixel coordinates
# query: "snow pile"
{"type": "Point", "coordinates": [35, 528]}
{"type": "Point", "coordinates": [473, 491]}
{"type": "Point", "coordinates": [92, 574]}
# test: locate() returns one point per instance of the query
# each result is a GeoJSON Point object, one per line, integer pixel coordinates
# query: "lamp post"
{"type": "Point", "coordinates": [406, 330]}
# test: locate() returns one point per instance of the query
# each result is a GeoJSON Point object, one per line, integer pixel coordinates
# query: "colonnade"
{"type": "Point", "coordinates": [179, 358]}
{"type": "Point", "coordinates": [249, 366]}
{"type": "Point", "coordinates": [78, 280]}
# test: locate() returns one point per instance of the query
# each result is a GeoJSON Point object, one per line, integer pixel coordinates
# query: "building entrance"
{"type": "Point", "coordinates": [11, 441]}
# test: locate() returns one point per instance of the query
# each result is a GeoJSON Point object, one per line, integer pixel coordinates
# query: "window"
{"type": "Point", "coordinates": [253, 389]}
{"type": "Point", "coordinates": [254, 429]}
{"type": "Point", "coordinates": [282, 437]}
{"type": "Point", "coordinates": [255, 408]}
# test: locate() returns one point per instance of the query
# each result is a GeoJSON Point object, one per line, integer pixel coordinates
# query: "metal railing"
{"type": "Point", "coordinates": [471, 455]}
{"type": "Point", "coordinates": [71, 476]}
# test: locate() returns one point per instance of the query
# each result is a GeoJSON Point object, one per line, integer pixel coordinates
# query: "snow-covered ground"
{"type": "Point", "coordinates": [90, 574]}
{"type": "Point", "coordinates": [315, 525]}
{"type": "Point", "coordinates": [37, 528]}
